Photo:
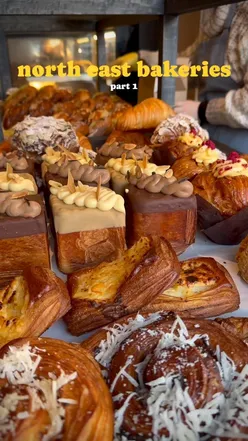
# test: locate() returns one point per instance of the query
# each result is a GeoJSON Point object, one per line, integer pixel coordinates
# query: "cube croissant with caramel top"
{"type": "Point", "coordinates": [89, 223]}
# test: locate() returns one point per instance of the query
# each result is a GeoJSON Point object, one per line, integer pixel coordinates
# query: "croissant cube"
{"type": "Point", "coordinates": [112, 290]}
{"type": "Point", "coordinates": [23, 240]}
{"type": "Point", "coordinates": [145, 115]}
{"type": "Point", "coordinates": [86, 236]}
{"type": "Point", "coordinates": [31, 303]}
{"type": "Point", "coordinates": [172, 217]}
{"type": "Point", "coordinates": [204, 289]}
{"type": "Point", "coordinates": [62, 394]}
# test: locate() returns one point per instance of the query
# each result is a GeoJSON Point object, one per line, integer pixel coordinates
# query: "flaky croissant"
{"type": "Point", "coordinates": [235, 325]}
{"type": "Point", "coordinates": [31, 303]}
{"type": "Point", "coordinates": [187, 168]}
{"type": "Point", "coordinates": [52, 390]}
{"type": "Point", "coordinates": [242, 259]}
{"type": "Point", "coordinates": [112, 290]}
{"type": "Point", "coordinates": [145, 115]}
{"type": "Point", "coordinates": [128, 137]}
{"type": "Point", "coordinates": [204, 289]}
{"type": "Point", "coordinates": [228, 194]}
{"type": "Point", "coordinates": [173, 379]}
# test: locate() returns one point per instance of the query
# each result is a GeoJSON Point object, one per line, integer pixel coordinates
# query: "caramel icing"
{"type": "Point", "coordinates": [206, 155]}
{"type": "Point", "coordinates": [130, 165]}
{"type": "Point", "coordinates": [117, 149]}
{"type": "Point", "coordinates": [88, 197]}
{"type": "Point", "coordinates": [53, 156]}
{"type": "Point", "coordinates": [191, 140]}
{"type": "Point", "coordinates": [230, 168]}
{"type": "Point", "coordinates": [84, 173]}
{"type": "Point", "coordinates": [18, 163]}
{"type": "Point", "coordinates": [16, 182]}
{"type": "Point", "coordinates": [162, 184]}
{"type": "Point", "coordinates": [14, 206]}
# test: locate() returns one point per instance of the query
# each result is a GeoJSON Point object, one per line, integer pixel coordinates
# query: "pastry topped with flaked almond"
{"type": "Point", "coordinates": [115, 149]}
{"type": "Point", "coordinates": [10, 181]}
{"type": "Point", "coordinates": [89, 223]}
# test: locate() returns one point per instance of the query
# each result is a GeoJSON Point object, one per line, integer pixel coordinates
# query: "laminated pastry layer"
{"type": "Point", "coordinates": [13, 227]}
{"type": "Point", "coordinates": [73, 219]}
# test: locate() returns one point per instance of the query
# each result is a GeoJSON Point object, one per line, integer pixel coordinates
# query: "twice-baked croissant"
{"type": "Point", "coordinates": [31, 303]}
{"type": "Point", "coordinates": [187, 168]}
{"type": "Point", "coordinates": [52, 390]}
{"type": "Point", "coordinates": [145, 115]}
{"type": "Point", "coordinates": [112, 290]}
{"type": "Point", "coordinates": [174, 379]}
{"type": "Point", "coordinates": [204, 289]}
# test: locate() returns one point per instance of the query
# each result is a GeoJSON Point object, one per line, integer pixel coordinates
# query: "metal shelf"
{"type": "Point", "coordinates": [55, 17]}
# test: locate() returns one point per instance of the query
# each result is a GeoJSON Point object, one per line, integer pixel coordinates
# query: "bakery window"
{"type": "Point", "coordinates": [44, 51]}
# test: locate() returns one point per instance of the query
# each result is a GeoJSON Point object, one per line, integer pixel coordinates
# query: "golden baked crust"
{"type": "Point", "coordinates": [228, 194]}
{"type": "Point", "coordinates": [72, 372]}
{"type": "Point", "coordinates": [235, 325]}
{"type": "Point", "coordinates": [204, 289]}
{"type": "Point", "coordinates": [146, 115]}
{"type": "Point", "coordinates": [187, 168]}
{"type": "Point", "coordinates": [127, 137]}
{"type": "Point", "coordinates": [21, 252]}
{"type": "Point", "coordinates": [242, 259]}
{"type": "Point", "coordinates": [87, 248]}
{"type": "Point", "coordinates": [31, 303]}
{"type": "Point", "coordinates": [112, 290]}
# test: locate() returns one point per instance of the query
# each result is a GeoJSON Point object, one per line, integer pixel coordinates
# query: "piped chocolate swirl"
{"type": "Point", "coordinates": [80, 172]}
{"type": "Point", "coordinates": [167, 184]}
{"type": "Point", "coordinates": [17, 161]}
{"type": "Point", "coordinates": [16, 205]}
{"type": "Point", "coordinates": [117, 149]}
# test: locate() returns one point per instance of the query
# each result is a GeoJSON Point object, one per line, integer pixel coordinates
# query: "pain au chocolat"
{"type": "Point", "coordinates": [161, 205]}
{"type": "Point", "coordinates": [120, 168]}
{"type": "Point", "coordinates": [174, 379]}
{"type": "Point", "coordinates": [222, 199]}
{"type": "Point", "coordinates": [204, 289]}
{"type": "Point", "coordinates": [89, 223]}
{"type": "Point", "coordinates": [112, 290]}
{"type": "Point", "coordinates": [31, 303]}
{"type": "Point", "coordinates": [52, 390]}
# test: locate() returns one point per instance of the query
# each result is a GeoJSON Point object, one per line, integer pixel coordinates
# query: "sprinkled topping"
{"type": "Point", "coordinates": [236, 166]}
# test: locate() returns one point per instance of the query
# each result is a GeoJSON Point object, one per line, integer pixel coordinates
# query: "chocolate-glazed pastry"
{"type": "Point", "coordinates": [163, 206]}
{"type": "Point", "coordinates": [18, 162]}
{"type": "Point", "coordinates": [89, 223]}
{"type": "Point", "coordinates": [115, 149]}
{"type": "Point", "coordinates": [23, 232]}
{"type": "Point", "coordinates": [33, 135]}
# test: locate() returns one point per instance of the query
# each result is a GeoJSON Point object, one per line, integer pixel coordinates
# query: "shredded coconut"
{"type": "Point", "coordinates": [19, 367]}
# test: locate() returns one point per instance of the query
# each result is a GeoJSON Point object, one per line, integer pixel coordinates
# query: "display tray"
{"type": "Point", "coordinates": [224, 254]}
